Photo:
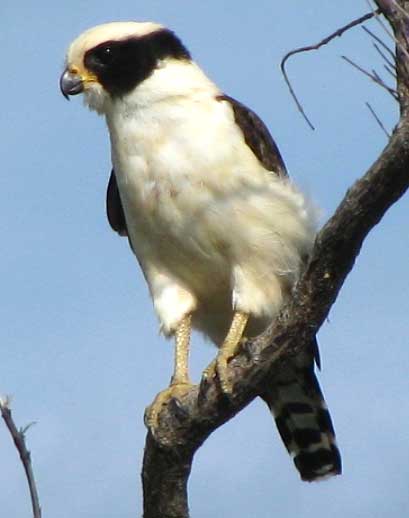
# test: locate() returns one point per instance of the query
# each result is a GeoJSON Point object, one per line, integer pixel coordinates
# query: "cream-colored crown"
{"type": "Point", "coordinates": [108, 31]}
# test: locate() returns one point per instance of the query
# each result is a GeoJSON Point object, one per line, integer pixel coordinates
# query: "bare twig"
{"type": "Point", "coordinates": [318, 45]}
{"type": "Point", "coordinates": [383, 44]}
{"type": "Point", "coordinates": [18, 437]}
{"type": "Point", "coordinates": [384, 27]}
{"type": "Point", "coordinates": [399, 45]}
{"type": "Point", "coordinates": [374, 76]}
{"type": "Point", "coordinates": [378, 120]}
{"type": "Point", "coordinates": [390, 64]}
{"type": "Point", "coordinates": [390, 71]}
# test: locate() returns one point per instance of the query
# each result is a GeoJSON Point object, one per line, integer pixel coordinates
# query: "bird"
{"type": "Point", "coordinates": [221, 234]}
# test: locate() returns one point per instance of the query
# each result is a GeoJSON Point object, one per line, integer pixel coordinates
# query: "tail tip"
{"type": "Point", "coordinates": [319, 465]}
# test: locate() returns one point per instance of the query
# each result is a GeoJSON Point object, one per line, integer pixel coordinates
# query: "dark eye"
{"type": "Point", "coordinates": [105, 55]}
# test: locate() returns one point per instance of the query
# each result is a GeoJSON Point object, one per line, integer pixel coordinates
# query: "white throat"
{"type": "Point", "coordinates": [172, 79]}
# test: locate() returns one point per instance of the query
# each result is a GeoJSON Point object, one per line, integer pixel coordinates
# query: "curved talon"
{"type": "Point", "coordinates": [209, 372]}
{"type": "Point", "coordinates": [153, 411]}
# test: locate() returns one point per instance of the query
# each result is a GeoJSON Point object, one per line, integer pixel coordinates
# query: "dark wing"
{"type": "Point", "coordinates": [257, 136]}
{"type": "Point", "coordinates": [115, 211]}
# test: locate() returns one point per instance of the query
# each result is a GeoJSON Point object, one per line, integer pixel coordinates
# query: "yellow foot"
{"type": "Point", "coordinates": [218, 368]}
{"type": "Point", "coordinates": [162, 399]}
{"type": "Point", "coordinates": [227, 351]}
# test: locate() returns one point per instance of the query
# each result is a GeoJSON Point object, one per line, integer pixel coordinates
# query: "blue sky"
{"type": "Point", "coordinates": [80, 349]}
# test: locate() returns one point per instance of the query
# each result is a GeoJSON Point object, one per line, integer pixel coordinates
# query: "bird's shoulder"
{"type": "Point", "coordinates": [256, 136]}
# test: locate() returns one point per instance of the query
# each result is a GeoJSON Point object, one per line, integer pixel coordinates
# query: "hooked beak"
{"type": "Point", "coordinates": [70, 84]}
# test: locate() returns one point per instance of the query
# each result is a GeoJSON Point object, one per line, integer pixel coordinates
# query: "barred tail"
{"type": "Point", "coordinates": [304, 423]}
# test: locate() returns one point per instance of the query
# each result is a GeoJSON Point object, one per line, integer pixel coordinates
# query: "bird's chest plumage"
{"type": "Point", "coordinates": [203, 214]}
{"type": "Point", "coordinates": [170, 171]}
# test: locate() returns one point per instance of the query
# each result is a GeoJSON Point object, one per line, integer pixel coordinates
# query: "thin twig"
{"type": "Point", "coordinates": [388, 32]}
{"type": "Point", "coordinates": [378, 78]}
{"type": "Point", "coordinates": [384, 56]}
{"type": "Point", "coordinates": [375, 78]}
{"type": "Point", "coordinates": [378, 120]}
{"type": "Point", "coordinates": [384, 27]}
{"type": "Point", "coordinates": [390, 66]}
{"type": "Point", "coordinates": [378, 39]}
{"type": "Point", "coordinates": [20, 443]}
{"type": "Point", "coordinates": [390, 71]}
{"type": "Point", "coordinates": [323, 42]}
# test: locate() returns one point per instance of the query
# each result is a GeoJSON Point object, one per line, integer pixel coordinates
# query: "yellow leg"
{"type": "Point", "coordinates": [180, 382]}
{"type": "Point", "coordinates": [182, 342]}
{"type": "Point", "coordinates": [227, 351]}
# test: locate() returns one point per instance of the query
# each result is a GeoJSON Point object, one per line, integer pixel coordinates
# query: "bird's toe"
{"type": "Point", "coordinates": [153, 411]}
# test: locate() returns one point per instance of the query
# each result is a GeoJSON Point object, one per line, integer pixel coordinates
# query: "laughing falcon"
{"type": "Point", "coordinates": [200, 189]}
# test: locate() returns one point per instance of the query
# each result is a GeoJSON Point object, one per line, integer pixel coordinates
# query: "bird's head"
{"type": "Point", "coordinates": [111, 60]}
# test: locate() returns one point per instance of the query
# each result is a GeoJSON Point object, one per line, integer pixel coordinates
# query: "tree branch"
{"type": "Point", "coordinates": [378, 120]}
{"type": "Point", "coordinates": [186, 423]}
{"type": "Point", "coordinates": [373, 76]}
{"type": "Point", "coordinates": [18, 437]}
{"type": "Point", "coordinates": [338, 33]}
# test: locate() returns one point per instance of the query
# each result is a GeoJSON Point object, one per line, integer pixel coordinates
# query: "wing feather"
{"type": "Point", "coordinates": [257, 136]}
{"type": "Point", "coordinates": [115, 211]}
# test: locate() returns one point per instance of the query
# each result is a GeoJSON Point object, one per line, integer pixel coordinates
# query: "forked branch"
{"type": "Point", "coordinates": [324, 41]}
{"type": "Point", "coordinates": [19, 440]}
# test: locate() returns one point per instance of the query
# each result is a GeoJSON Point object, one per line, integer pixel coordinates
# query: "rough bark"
{"type": "Point", "coordinates": [185, 424]}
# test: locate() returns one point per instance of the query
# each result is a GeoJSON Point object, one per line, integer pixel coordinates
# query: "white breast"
{"type": "Point", "coordinates": [202, 212]}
